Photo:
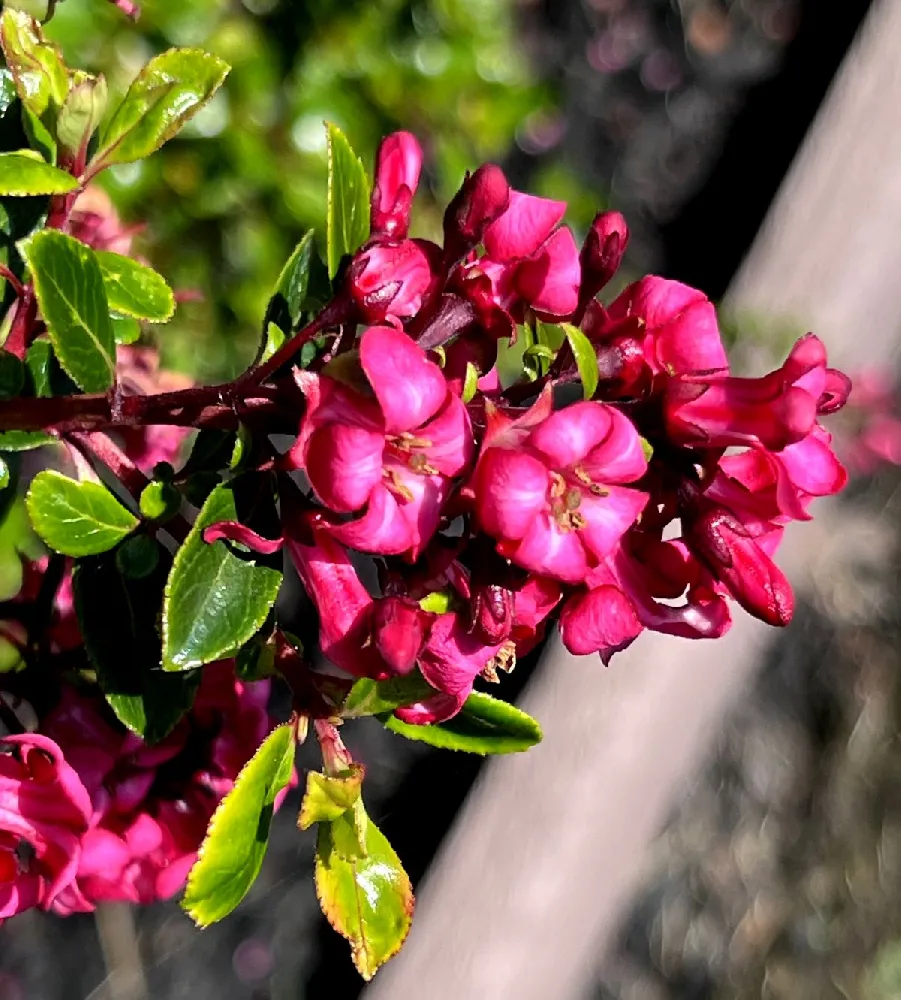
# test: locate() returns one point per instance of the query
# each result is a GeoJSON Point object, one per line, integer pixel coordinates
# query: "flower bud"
{"type": "Point", "coordinates": [730, 552]}
{"type": "Point", "coordinates": [399, 629]}
{"type": "Point", "coordinates": [390, 279]}
{"type": "Point", "coordinates": [492, 613]}
{"type": "Point", "coordinates": [483, 197]}
{"type": "Point", "coordinates": [602, 252]}
{"type": "Point", "coordinates": [397, 168]}
{"type": "Point", "coordinates": [80, 114]}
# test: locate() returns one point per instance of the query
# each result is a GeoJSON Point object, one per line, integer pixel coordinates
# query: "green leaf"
{"type": "Point", "coordinates": [24, 440]}
{"type": "Point", "coordinates": [470, 382]}
{"type": "Point", "coordinates": [118, 616]}
{"type": "Point", "coordinates": [126, 330]}
{"type": "Point", "coordinates": [348, 200]}
{"type": "Point", "coordinates": [134, 289]}
{"type": "Point", "coordinates": [215, 600]}
{"type": "Point", "coordinates": [159, 501]}
{"type": "Point", "coordinates": [69, 287]}
{"type": "Point", "coordinates": [12, 375]}
{"type": "Point", "coordinates": [286, 303]}
{"type": "Point", "coordinates": [81, 112]}
{"type": "Point", "coordinates": [166, 94]}
{"type": "Point", "coordinates": [4, 474]}
{"type": "Point", "coordinates": [586, 358]}
{"type": "Point", "coordinates": [369, 697]}
{"type": "Point", "coordinates": [137, 557]}
{"type": "Point", "coordinates": [24, 173]}
{"type": "Point", "coordinates": [439, 602]}
{"type": "Point", "coordinates": [76, 519]}
{"type": "Point", "coordinates": [484, 725]}
{"type": "Point", "coordinates": [39, 361]}
{"type": "Point", "coordinates": [273, 340]}
{"type": "Point", "coordinates": [368, 899]}
{"type": "Point", "coordinates": [18, 543]}
{"type": "Point", "coordinates": [232, 853]}
{"type": "Point", "coordinates": [42, 79]}
{"type": "Point", "coordinates": [327, 798]}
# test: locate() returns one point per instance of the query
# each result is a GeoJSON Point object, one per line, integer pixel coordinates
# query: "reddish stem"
{"type": "Point", "coordinates": [14, 282]}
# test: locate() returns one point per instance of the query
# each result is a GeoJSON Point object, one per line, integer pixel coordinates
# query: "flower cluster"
{"type": "Point", "coordinates": [489, 508]}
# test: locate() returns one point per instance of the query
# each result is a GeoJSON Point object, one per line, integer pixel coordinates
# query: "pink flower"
{"type": "Point", "coordinates": [391, 278]}
{"type": "Point", "coordinates": [775, 411]}
{"type": "Point", "coordinates": [529, 260]}
{"type": "Point", "coordinates": [45, 808]}
{"type": "Point", "coordinates": [393, 455]}
{"type": "Point", "coordinates": [397, 167]}
{"type": "Point", "coordinates": [548, 490]}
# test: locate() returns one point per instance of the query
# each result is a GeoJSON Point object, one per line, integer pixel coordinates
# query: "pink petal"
{"type": "Point", "coordinates": [410, 388]}
{"type": "Point", "coordinates": [232, 531]}
{"type": "Point", "coordinates": [394, 525]}
{"type": "Point", "coordinates": [438, 708]}
{"type": "Point", "coordinates": [568, 435]}
{"type": "Point", "coordinates": [523, 227]}
{"type": "Point", "coordinates": [547, 549]}
{"type": "Point", "coordinates": [454, 656]}
{"type": "Point", "coordinates": [813, 468]}
{"type": "Point", "coordinates": [451, 445]}
{"type": "Point", "coordinates": [549, 281]}
{"type": "Point", "coordinates": [344, 465]}
{"type": "Point", "coordinates": [619, 458]}
{"type": "Point", "coordinates": [511, 491]}
{"type": "Point", "coordinates": [608, 518]}
{"type": "Point", "coordinates": [602, 621]}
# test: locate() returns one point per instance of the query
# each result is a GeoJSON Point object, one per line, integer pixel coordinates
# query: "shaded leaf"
{"type": "Point", "coordinates": [347, 221]}
{"type": "Point", "coordinates": [24, 173]}
{"type": "Point", "coordinates": [166, 94]}
{"type": "Point", "coordinates": [76, 519]}
{"type": "Point", "coordinates": [118, 616]}
{"type": "Point", "coordinates": [484, 725]}
{"type": "Point", "coordinates": [232, 853]}
{"type": "Point", "coordinates": [367, 899]}
{"type": "Point", "coordinates": [215, 600]}
{"type": "Point", "coordinates": [69, 288]}
{"type": "Point", "coordinates": [286, 303]}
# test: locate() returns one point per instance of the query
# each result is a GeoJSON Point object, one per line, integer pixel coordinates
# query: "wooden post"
{"type": "Point", "coordinates": [525, 894]}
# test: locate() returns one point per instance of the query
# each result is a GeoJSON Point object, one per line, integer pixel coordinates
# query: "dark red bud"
{"type": "Point", "coordinates": [602, 252]}
{"type": "Point", "coordinates": [493, 609]}
{"type": "Point", "coordinates": [399, 630]}
{"type": "Point", "coordinates": [482, 198]}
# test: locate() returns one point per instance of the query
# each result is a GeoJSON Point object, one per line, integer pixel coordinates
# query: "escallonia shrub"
{"type": "Point", "coordinates": [455, 446]}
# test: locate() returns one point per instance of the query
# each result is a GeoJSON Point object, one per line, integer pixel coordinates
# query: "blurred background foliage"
{"type": "Point", "coordinates": [225, 203]}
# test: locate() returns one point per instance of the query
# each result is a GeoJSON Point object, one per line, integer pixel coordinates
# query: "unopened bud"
{"type": "Point", "coordinates": [397, 167]}
{"type": "Point", "coordinates": [399, 630]}
{"type": "Point", "coordinates": [602, 252]}
{"type": "Point", "coordinates": [81, 112]}
{"type": "Point", "coordinates": [482, 198]}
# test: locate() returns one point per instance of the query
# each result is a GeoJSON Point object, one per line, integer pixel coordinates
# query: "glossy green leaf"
{"type": "Point", "coordinates": [348, 200]}
{"type": "Point", "coordinates": [166, 94]}
{"type": "Point", "coordinates": [76, 519]}
{"type": "Point", "coordinates": [286, 303]}
{"type": "Point", "coordinates": [24, 173]}
{"type": "Point", "coordinates": [24, 440]}
{"type": "Point", "coordinates": [69, 287]}
{"type": "Point", "coordinates": [126, 330]}
{"type": "Point", "coordinates": [326, 797]}
{"type": "Point", "coordinates": [41, 77]}
{"type": "Point", "coordinates": [485, 725]}
{"type": "Point", "coordinates": [367, 899]}
{"type": "Point", "coordinates": [18, 543]}
{"type": "Point", "coordinates": [118, 616]}
{"type": "Point", "coordinates": [586, 358]}
{"type": "Point", "coordinates": [134, 289]}
{"type": "Point", "coordinates": [4, 474]}
{"type": "Point", "coordinates": [470, 382]}
{"type": "Point", "coordinates": [369, 697]}
{"type": "Point", "coordinates": [215, 600]}
{"type": "Point", "coordinates": [232, 853]}
{"type": "Point", "coordinates": [159, 501]}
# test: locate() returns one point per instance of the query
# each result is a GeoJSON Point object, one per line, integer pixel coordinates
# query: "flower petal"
{"type": "Point", "coordinates": [602, 621]}
{"type": "Point", "coordinates": [568, 435]}
{"type": "Point", "coordinates": [511, 491]}
{"type": "Point", "coordinates": [523, 227]}
{"type": "Point", "coordinates": [547, 549]}
{"type": "Point", "coordinates": [451, 445]}
{"type": "Point", "coordinates": [549, 280]}
{"type": "Point", "coordinates": [344, 465]}
{"type": "Point", "coordinates": [410, 388]}
{"type": "Point", "coordinates": [608, 518]}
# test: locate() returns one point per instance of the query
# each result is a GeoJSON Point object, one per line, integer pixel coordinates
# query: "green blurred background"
{"type": "Point", "coordinates": [226, 202]}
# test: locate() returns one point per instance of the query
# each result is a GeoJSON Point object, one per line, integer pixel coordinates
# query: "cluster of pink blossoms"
{"type": "Point", "coordinates": [648, 506]}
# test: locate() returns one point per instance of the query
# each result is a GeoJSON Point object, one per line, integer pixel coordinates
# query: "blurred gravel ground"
{"type": "Point", "coordinates": [779, 874]}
